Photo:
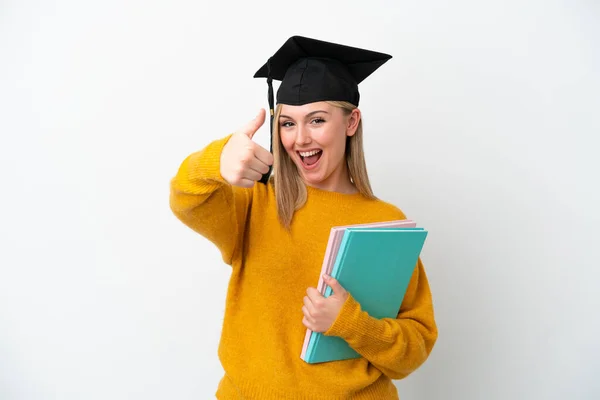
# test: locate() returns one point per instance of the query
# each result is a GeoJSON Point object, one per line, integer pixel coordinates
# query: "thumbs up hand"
{"type": "Point", "coordinates": [320, 312]}
{"type": "Point", "coordinates": [243, 162]}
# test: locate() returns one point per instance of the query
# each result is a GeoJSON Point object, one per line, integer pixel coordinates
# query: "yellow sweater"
{"type": "Point", "coordinates": [262, 332]}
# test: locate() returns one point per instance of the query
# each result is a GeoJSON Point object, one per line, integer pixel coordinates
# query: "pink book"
{"type": "Point", "coordinates": [333, 245]}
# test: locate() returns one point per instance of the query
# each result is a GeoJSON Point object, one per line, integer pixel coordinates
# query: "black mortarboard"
{"type": "Point", "coordinates": [312, 70]}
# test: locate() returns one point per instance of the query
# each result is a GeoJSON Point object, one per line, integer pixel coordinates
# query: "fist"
{"type": "Point", "coordinates": [244, 162]}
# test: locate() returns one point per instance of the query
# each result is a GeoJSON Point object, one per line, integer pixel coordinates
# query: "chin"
{"type": "Point", "coordinates": [312, 181]}
{"type": "Point", "coordinates": [313, 178]}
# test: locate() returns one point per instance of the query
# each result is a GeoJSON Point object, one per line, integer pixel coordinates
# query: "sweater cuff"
{"type": "Point", "coordinates": [200, 172]}
{"type": "Point", "coordinates": [351, 324]}
{"type": "Point", "coordinates": [206, 163]}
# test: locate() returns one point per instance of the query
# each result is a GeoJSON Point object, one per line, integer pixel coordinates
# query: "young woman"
{"type": "Point", "coordinates": [273, 230]}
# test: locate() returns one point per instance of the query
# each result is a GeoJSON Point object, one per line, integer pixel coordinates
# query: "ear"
{"type": "Point", "coordinates": [353, 120]}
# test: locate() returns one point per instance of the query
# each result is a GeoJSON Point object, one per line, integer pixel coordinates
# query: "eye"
{"type": "Point", "coordinates": [317, 121]}
{"type": "Point", "coordinates": [287, 124]}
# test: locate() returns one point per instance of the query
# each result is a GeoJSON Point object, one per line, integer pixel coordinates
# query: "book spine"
{"type": "Point", "coordinates": [341, 254]}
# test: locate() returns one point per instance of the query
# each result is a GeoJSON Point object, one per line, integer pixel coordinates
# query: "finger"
{"type": "Point", "coordinates": [247, 183]}
{"type": "Point", "coordinates": [309, 305]}
{"type": "Point", "coordinates": [308, 324]}
{"type": "Point", "coordinates": [252, 126]}
{"type": "Point", "coordinates": [248, 160]}
{"type": "Point", "coordinates": [307, 315]}
{"type": "Point", "coordinates": [258, 166]}
{"type": "Point", "coordinates": [252, 175]}
{"type": "Point", "coordinates": [315, 296]}
{"type": "Point", "coordinates": [263, 155]}
{"type": "Point", "coordinates": [335, 285]}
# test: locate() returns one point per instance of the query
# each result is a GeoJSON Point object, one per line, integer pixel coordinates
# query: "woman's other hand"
{"type": "Point", "coordinates": [320, 312]}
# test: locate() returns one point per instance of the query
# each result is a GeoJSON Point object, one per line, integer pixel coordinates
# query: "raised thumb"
{"type": "Point", "coordinates": [335, 285]}
{"type": "Point", "coordinates": [253, 126]}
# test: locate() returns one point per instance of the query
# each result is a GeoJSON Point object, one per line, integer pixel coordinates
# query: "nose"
{"type": "Point", "coordinates": [302, 135]}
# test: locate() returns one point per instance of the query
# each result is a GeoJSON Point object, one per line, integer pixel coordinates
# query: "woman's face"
{"type": "Point", "coordinates": [314, 135]}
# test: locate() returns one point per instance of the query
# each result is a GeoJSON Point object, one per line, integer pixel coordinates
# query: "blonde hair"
{"type": "Point", "coordinates": [290, 189]}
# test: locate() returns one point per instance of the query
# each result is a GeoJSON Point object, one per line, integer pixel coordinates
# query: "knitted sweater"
{"type": "Point", "coordinates": [271, 268]}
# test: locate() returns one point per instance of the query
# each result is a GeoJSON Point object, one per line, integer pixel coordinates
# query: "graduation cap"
{"type": "Point", "coordinates": [312, 70]}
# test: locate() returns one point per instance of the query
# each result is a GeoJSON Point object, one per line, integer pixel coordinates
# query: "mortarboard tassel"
{"type": "Point", "coordinates": [265, 177]}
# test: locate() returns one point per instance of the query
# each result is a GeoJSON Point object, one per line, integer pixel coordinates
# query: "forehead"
{"type": "Point", "coordinates": [300, 111]}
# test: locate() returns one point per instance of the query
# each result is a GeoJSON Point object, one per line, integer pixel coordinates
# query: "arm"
{"type": "Point", "coordinates": [205, 202]}
{"type": "Point", "coordinates": [396, 346]}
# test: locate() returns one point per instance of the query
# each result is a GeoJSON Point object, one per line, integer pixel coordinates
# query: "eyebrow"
{"type": "Point", "coordinates": [307, 115]}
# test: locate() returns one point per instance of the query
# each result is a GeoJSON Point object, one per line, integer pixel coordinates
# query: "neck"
{"type": "Point", "coordinates": [338, 181]}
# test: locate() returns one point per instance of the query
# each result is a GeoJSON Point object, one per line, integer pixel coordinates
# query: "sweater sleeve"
{"type": "Point", "coordinates": [396, 346]}
{"type": "Point", "coordinates": [205, 202]}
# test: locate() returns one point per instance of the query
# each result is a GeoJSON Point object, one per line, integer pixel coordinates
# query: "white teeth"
{"type": "Point", "coordinates": [309, 153]}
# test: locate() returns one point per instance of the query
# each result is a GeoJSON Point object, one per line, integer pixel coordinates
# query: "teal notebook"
{"type": "Point", "coordinates": [375, 265]}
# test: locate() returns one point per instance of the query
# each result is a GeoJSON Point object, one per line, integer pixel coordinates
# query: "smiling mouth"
{"type": "Point", "coordinates": [310, 157]}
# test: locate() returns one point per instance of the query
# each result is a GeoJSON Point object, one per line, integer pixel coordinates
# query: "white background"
{"type": "Point", "coordinates": [483, 127]}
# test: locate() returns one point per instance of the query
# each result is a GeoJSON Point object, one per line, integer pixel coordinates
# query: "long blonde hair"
{"type": "Point", "coordinates": [290, 189]}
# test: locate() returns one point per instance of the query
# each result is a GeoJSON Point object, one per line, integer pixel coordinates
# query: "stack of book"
{"type": "Point", "coordinates": [373, 262]}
